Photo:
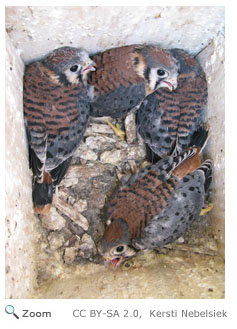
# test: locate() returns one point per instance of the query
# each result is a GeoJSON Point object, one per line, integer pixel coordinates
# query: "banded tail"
{"type": "Point", "coordinates": [43, 195]}
{"type": "Point", "coordinates": [43, 192]}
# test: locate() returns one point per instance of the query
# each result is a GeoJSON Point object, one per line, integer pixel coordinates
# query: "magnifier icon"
{"type": "Point", "coordinates": [9, 309]}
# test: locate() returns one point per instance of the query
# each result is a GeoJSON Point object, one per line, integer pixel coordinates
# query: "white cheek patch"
{"type": "Point", "coordinates": [72, 77]}
{"type": "Point", "coordinates": [153, 78]}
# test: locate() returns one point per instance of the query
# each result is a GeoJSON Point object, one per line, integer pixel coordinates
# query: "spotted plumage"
{"type": "Point", "coordinates": [166, 121]}
{"type": "Point", "coordinates": [56, 109]}
{"type": "Point", "coordinates": [157, 205]}
{"type": "Point", "coordinates": [125, 75]}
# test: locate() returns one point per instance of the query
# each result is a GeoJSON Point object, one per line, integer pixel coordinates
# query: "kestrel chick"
{"type": "Point", "coordinates": [156, 206]}
{"type": "Point", "coordinates": [126, 75]}
{"type": "Point", "coordinates": [56, 111]}
{"type": "Point", "coordinates": [166, 121]}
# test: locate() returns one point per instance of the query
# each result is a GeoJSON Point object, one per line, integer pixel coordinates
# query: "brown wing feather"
{"type": "Point", "coordinates": [170, 106]}
{"type": "Point", "coordinates": [49, 108]}
{"type": "Point", "coordinates": [141, 201]}
{"type": "Point", "coordinates": [192, 93]}
{"type": "Point", "coordinates": [114, 63]}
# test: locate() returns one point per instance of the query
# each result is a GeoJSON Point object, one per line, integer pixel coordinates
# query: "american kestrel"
{"type": "Point", "coordinates": [157, 204]}
{"type": "Point", "coordinates": [166, 121]}
{"type": "Point", "coordinates": [126, 75]}
{"type": "Point", "coordinates": [56, 111]}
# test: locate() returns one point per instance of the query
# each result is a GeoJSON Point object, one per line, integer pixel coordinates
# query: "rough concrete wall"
{"type": "Point", "coordinates": [20, 221]}
{"type": "Point", "coordinates": [38, 30]}
{"type": "Point", "coordinates": [212, 60]}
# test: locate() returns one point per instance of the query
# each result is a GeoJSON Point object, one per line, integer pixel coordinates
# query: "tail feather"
{"type": "Point", "coordinates": [59, 172]}
{"type": "Point", "coordinates": [43, 195]}
{"type": "Point", "coordinates": [151, 156]}
{"type": "Point", "coordinates": [190, 159]}
{"type": "Point", "coordinates": [189, 153]}
{"type": "Point", "coordinates": [207, 168]}
{"type": "Point", "coordinates": [200, 137]}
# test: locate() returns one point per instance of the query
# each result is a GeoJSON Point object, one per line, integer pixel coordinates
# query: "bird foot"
{"type": "Point", "coordinates": [118, 132]}
{"type": "Point", "coordinates": [205, 210]}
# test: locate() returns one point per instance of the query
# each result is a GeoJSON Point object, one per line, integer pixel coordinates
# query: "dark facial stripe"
{"type": "Point", "coordinates": [147, 74]}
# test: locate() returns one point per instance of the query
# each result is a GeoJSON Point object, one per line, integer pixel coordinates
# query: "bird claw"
{"type": "Point", "coordinates": [204, 211]}
{"type": "Point", "coordinates": [118, 132]}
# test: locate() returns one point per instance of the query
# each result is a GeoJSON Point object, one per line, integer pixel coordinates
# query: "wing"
{"type": "Point", "coordinates": [117, 86]}
{"type": "Point", "coordinates": [66, 127]}
{"type": "Point", "coordinates": [193, 102]}
{"type": "Point", "coordinates": [182, 209]}
{"type": "Point", "coordinates": [148, 192]}
{"type": "Point", "coordinates": [140, 202]}
{"type": "Point", "coordinates": [59, 172]}
{"type": "Point", "coordinates": [55, 116]}
{"type": "Point", "coordinates": [34, 121]}
{"type": "Point", "coordinates": [192, 95]}
{"type": "Point", "coordinates": [157, 121]}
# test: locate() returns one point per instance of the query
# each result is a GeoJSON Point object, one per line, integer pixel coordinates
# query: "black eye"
{"type": "Point", "coordinates": [119, 248]}
{"type": "Point", "coordinates": [74, 68]}
{"type": "Point", "coordinates": [161, 73]}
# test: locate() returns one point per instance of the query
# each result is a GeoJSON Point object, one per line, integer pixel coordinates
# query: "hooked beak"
{"type": "Point", "coordinates": [171, 84]}
{"type": "Point", "coordinates": [89, 66]}
{"type": "Point", "coordinates": [115, 262]}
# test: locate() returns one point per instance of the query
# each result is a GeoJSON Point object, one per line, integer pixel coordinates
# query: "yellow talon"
{"type": "Point", "coordinates": [118, 132]}
{"type": "Point", "coordinates": [206, 210]}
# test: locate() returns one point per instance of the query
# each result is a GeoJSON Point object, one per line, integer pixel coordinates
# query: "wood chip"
{"type": "Point", "coordinates": [84, 171]}
{"type": "Point", "coordinates": [130, 128]}
{"type": "Point", "coordinates": [73, 214]}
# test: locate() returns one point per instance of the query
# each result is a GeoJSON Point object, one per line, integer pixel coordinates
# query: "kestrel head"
{"type": "Point", "coordinates": [157, 66]}
{"type": "Point", "coordinates": [69, 65]}
{"type": "Point", "coordinates": [188, 64]}
{"type": "Point", "coordinates": [114, 245]}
